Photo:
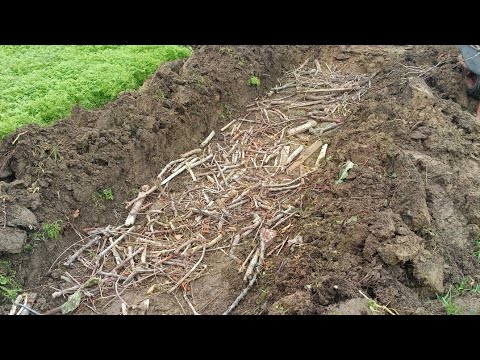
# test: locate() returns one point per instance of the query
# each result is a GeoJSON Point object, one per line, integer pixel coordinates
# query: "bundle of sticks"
{"type": "Point", "coordinates": [241, 190]}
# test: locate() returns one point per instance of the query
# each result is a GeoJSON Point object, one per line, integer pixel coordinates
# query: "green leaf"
{"type": "Point", "coordinates": [344, 171]}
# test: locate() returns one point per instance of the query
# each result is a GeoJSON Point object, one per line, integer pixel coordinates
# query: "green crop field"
{"type": "Point", "coordinates": [42, 83]}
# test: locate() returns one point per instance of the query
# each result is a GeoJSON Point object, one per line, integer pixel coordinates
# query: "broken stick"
{"type": "Point", "coordinates": [302, 128]}
{"type": "Point", "coordinates": [207, 140]}
{"type": "Point", "coordinates": [308, 152]}
{"type": "Point", "coordinates": [136, 206]}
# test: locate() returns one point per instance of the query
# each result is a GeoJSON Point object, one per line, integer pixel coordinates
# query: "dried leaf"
{"type": "Point", "coordinates": [72, 303]}
{"type": "Point", "coordinates": [76, 213]}
{"type": "Point", "coordinates": [268, 235]}
{"type": "Point", "coordinates": [284, 229]}
{"type": "Point", "coordinates": [296, 240]}
{"type": "Point", "coordinates": [152, 289]}
{"type": "Point", "coordinates": [352, 220]}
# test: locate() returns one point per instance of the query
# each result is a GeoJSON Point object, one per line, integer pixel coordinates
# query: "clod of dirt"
{"type": "Point", "coordinates": [5, 173]}
{"type": "Point", "coordinates": [428, 269]}
{"type": "Point", "coordinates": [468, 304]}
{"type": "Point", "coordinates": [473, 208]}
{"type": "Point", "coordinates": [299, 303]}
{"type": "Point", "coordinates": [413, 209]}
{"type": "Point", "coordinates": [384, 226]}
{"type": "Point", "coordinates": [12, 240]}
{"type": "Point", "coordinates": [357, 306]}
{"type": "Point", "coordinates": [19, 216]}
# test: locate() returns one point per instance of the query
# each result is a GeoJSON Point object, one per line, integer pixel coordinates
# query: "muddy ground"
{"type": "Point", "coordinates": [414, 189]}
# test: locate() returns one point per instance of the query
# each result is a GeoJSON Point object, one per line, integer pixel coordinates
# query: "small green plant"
{"type": "Point", "coordinates": [53, 153]}
{"type": "Point", "coordinates": [200, 80]}
{"type": "Point", "coordinates": [227, 50]}
{"type": "Point", "coordinates": [48, 231]}
{"type": "Point", "coordinates": [477, 249]}
{"type": "Point", "coordinates": [264, 294]}
{"type": "Point", "coordinates": [101, 196]}
{"type": "Point", "coordinates": [28, 248]}
{"type": "Point", "coordinates": [464, 285]}
{"type": "Point", "coordinates": [161, 95]}
{"type": "Point", "coordinates": [9, 288]}
{"type": "Point", "coordinates": [107, 194]}
{"type": "Point", "coordinates": [254, 81]}
{"type": "Point", "coordinates": [226, 111]}
{"type": "Point", "coordinates": [447, 301]}
{"type": "Point", "coordinates": [475, 289]}
{"type": "Point", "coordinates": [134, 191]}
{"type": "Point", "coordinates": [52, 230]}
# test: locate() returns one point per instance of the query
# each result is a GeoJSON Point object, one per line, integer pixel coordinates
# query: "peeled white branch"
{"type": "Point", "coordinates": [302, 128]}
{"type": "Point", "coordinates": [207, 140]}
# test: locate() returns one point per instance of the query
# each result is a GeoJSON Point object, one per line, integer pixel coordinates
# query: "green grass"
{"type": "Point", "coordinates": [42, 83]}
{"type": "Point", "coordinates": [254, 81]}
{"type": "Point", "coordinates": [9, 288]}
{"type": "Point", "coordinates": [477, 249]}
{"type": "Point", "coordinates": [99, 197]}
{"type": "Point", "coordinates": [49, 231]}
{"type": "Point", "coordinates": [447, 301]}
{"type": "Point", "coordinates": [466, 285]}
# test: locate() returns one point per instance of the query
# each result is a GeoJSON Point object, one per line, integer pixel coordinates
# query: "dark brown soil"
{"type": "Point", "coordinates": [414, 189]}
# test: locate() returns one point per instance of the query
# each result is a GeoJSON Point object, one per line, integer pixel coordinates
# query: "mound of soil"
{"type": "Point", "coordinates": [413, 192]}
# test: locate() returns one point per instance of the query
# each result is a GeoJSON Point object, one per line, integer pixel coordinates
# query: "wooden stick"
{"type": "Point", "coordinates": [73, 257]}
{"type": "Point", "coordinates": [235, 242]}
{"type": "Point", "coordinates": [207, 245]}
{"type": "Point", "coordinates": [115, 242]}
{"type": "Point", "coordinates": [285, 188]}
{"type": "Point", "coordinates": [189, 169]}
{"type": "Point", "coordinates": [250, 284]}
{"type": "Point", "coordinates": [190, 153]}
{"type": "Point", "coordinates": [140, 196]}
{"type": "Point", "coordinates": [13, 310]}
{"type": "Point", "coordinates": [136, 206]}
{"type": "Point", "coordinates": [228, 125]}
{"type": "Point", "coordinates": [127, 259]}
{"type": "Point", "coordinates": [301, 128]}
{"type": "Point", "coordinates": [177, 250]}
{"type": "Point", "coordinates": [322, 154]}
{"type": "Point", "coordinates": [284, 155]}
{"type": "Point", "coordinates": [115, 253]}
{"type": "Point", "coordinates": [309, 91]}
{"type": "Point", "coordinates": [307, 153]}
{"type": "Point", "coordinates": [182, 158]}
{"type": "Point", "coordinates": [190, 304]}
{"type": "Point", "coordinates": [237, 204]}
{"type": "Point", "coordinates": [29, 300]}
{"type": "Point", "coordinates": [205, 213]}
{"type": "Point", "coordinates": [183, 168]}
{"type": "Point", "coordinates": [207, 140]}
{"type": "Point", "coordinates": [251, 265]}
{"type": "Point", "coordinates": [172, 289]}
{"type": "Point", "coordinates": [294, 154]}
{"type": "Point", "coordinates": [176, 173]}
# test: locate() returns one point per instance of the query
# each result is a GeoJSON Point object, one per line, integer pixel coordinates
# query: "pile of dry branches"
{"type": "Point", "coordinates": [239, 187]}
